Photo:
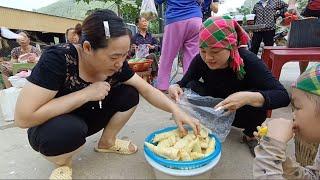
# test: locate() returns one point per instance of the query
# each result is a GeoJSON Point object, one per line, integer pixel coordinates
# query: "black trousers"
{"type": "Point", "coordinates": [68, 132]}
{"type": "Point", "coordinates": [247, 117]}
{"type": "Point", "coordinates": [258, 37]}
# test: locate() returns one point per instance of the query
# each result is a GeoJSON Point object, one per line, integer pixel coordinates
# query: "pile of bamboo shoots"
{"type": "Point", "coordinates": [171, 145]}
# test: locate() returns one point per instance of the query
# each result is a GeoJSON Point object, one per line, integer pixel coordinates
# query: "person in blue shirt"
{"type": "Point", "coordinates": [181, 32]}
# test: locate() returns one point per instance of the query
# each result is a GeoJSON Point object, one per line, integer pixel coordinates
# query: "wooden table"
{"type": "Point", "coordinates": [265, 56]}
{"type": "Point", "coordinates": [279, 57]}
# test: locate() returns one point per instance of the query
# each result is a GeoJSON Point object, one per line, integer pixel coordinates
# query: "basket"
{"type": "Point", "coordinates": [182, 165]}
{"type": "Point", "coordinates": [140, 66]}
{"type": "Point", "coordinates": [305, 152]}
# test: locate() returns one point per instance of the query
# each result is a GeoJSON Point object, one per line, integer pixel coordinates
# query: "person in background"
{"type": "Point", "coordinates": [271, 161]}
{"type": "Point", "coordinates": [312, 10]}
{"type": "Point", "coordinates": [209, 6]}
{"type": "Point", "coordinates": [71, 36]}
{"type": "Point", "coordinates": [24, 53]}
{"type": "Point", "coordinates": [266, 11]}
{"type": "Point", "coordinates": [181, 32]}
{"type": "Point", "coordinates": [145, 37]}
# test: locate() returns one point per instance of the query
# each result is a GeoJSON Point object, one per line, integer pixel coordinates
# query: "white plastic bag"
{"type": "Point", "coordinates": [17, 81]}
{"type": "Point", "coordinates": [8, 99]}
{"type": "Point", "coordinates": [148, 10]}
{"type": "Point", "coordinates": [5, 32]}
{"type": "Point", "coordinates": [142, 51]}
{"type": "Point", "coordinates": [202, 108]}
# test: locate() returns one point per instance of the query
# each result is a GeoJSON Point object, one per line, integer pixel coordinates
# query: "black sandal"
{"type": "Point", "coordinates": [251, 144]}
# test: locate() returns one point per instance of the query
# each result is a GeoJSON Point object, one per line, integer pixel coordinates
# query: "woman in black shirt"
{"type": "Point", "coordinates": [77, 90]}
{"type": "Point", "coordinates": [232, 73]}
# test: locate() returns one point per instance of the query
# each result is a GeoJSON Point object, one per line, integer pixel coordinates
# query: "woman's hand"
{"type": "Point", "coordinates": [239, 99]}
{"type": "Point", "coordinates": [150, 46]}
{"type": "Point", "coordinates": [161, 101]}
{"type": "Point", "coordinates": [28, 57]}
{"type": "Point", "coordinates": [97, 91]}
{"type": "Point", "coordinates": [175, 92]}
{"type": "Point", "coordinates": [32, 58]}
{"type": "Point", "coordinates": [182, 118]}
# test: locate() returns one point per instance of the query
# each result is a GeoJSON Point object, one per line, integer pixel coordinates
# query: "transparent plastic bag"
{"type": "Point", "coordinates": [202, 108]}
{"type": "Point", "coordinates": [148, 10]}
{"type": "Point", "coordinates": [142, 51]}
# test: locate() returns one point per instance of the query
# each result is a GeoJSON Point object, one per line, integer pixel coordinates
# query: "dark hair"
{"type": "Point", "coordinates": [77, 28]}
{"type": "Point", "coordinates": [69, 29]}
{"type": "Point", "coordinates": [92, 29]}
{"type": "Point", "coordinates": [139, 19]}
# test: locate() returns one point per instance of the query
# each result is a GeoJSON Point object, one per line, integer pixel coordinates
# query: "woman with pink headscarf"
{"type": "Point", "coordinates": [233, 73]}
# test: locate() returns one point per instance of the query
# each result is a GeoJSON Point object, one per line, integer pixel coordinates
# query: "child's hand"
{"type": "Point", "coordinates": [280, 129]}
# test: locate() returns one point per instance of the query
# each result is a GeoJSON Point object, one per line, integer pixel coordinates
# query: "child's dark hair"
{"type": "Point", "coordinates": [92, 29]}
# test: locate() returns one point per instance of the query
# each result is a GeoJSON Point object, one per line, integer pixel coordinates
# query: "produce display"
{"type": "Point", "coordinates": [173, 146]}
{"type": "Point", "coordinates": [134, 60]}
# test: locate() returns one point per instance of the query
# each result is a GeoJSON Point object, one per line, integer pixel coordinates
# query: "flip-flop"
{"type": "Point", "coordinates": [120, 147]}
{"type": "Point", "coordinates": [63, 172]}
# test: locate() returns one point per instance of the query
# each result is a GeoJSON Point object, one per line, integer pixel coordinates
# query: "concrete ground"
{"type": "Point", "coordinates": [19, 161]}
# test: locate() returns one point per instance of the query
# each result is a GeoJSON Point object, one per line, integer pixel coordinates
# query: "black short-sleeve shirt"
{"type": "Point", "coordinates": [58, 70]}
